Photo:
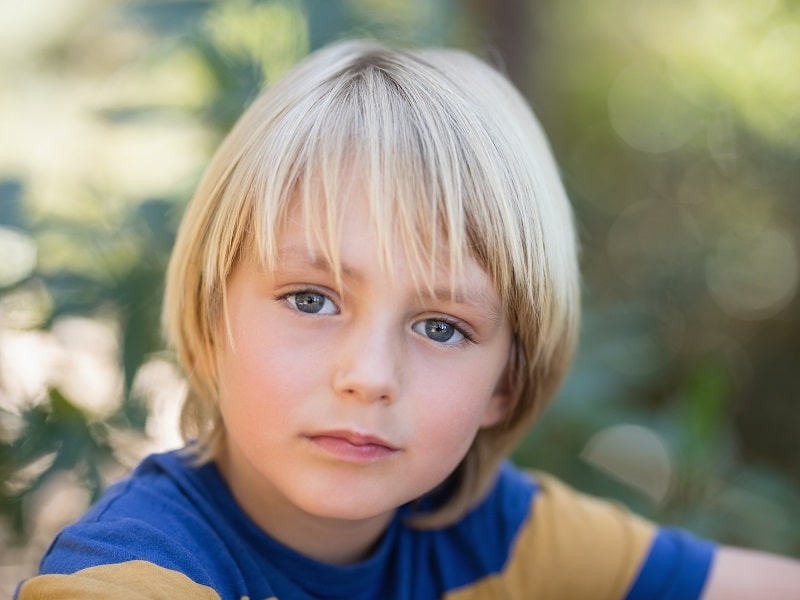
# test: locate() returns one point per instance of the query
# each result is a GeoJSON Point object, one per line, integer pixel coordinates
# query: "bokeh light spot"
{"type": "Point", "coordinates": [17, 256]}
{"type": "Point", "coordinates": [651, 239]}
{"type": "Point", "coordinates": [647, 111]}
{"type": "Point", "coordinates": [633, 455]}
{"type": "Point", "coordinates": [755, 275]}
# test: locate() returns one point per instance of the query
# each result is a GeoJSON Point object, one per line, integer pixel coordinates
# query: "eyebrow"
{"type": "Point", "coordinates": [316, 261]}
{"type": "Point", "coordinates": [481, 299]}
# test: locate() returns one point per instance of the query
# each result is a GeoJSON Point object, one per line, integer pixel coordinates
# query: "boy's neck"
{"type": "Point", "coordinates": [332, 541]}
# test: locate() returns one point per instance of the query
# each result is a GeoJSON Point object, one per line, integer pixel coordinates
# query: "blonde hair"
{"type": "Point", "coordinates": [449, 151]}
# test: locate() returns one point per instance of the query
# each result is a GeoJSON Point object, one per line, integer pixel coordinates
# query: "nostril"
{"type": "Point", "coordinates": [365, 380]}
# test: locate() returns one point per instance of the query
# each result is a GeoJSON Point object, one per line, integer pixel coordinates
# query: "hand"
{"type": "Point", "coordinates": [738, 573]}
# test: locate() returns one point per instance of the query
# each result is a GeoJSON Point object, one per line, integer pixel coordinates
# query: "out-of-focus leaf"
{"type": "Point", "coordinates": [62, 435]}
{"type": "Point", "coordinates": [11, 207]}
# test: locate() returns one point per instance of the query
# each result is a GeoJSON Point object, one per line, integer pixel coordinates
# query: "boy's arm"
{"type": "Point", "coordinates": [738, 573]}
{"type": "Point", "coordinates": [131, 580]}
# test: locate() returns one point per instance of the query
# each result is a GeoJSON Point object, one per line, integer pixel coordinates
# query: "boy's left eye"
{"type": "Point", "coordinates": [439, 330]}
{"type": "Point", "coordinates": [313, 303]}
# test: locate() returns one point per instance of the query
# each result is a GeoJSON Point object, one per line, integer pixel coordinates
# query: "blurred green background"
{"type": "Point", "coordinates": [677, 128]}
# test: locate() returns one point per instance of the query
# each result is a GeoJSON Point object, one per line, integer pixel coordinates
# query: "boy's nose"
{"type": "Point", "coordinates": [366, 369]}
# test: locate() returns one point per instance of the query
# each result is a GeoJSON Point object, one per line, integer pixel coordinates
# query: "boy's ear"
{"type": "Point", "coordinates": [500, 402]}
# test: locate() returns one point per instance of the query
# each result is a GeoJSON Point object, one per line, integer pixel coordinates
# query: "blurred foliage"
{"type": "Point", "coordinates": [676, 128]}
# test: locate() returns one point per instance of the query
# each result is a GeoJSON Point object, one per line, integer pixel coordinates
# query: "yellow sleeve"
{"type": "Point", "coordinates": [133, 580]}
{"type": "Point", "coordinates": [572, 547]}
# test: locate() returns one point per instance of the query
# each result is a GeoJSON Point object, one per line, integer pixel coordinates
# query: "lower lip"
{"type": "Point", "coordinates": [358, 453]}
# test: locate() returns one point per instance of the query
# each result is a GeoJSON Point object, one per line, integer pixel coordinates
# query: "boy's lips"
{"type": "Point", "coordinates": [353, 446]}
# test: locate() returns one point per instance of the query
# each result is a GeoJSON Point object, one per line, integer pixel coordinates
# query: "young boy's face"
{"type": "Point", "coordinates": [347, 403]}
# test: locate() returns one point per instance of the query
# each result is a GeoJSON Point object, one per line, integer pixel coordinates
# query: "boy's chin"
{"type": "Point", "coordinates": [349, 509]}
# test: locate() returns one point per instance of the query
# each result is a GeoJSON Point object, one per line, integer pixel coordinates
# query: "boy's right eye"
{"type": "Point", "coordinates": [311, 302]}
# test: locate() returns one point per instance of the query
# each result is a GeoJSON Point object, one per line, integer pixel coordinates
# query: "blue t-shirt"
{"type": "Point", "coordinates": [173, 530]}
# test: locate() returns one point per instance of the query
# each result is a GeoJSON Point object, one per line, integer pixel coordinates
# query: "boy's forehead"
{"type": "Point", "coordinates": [433, 270]}
{"type": "Point", "coordinates": [355, 260]}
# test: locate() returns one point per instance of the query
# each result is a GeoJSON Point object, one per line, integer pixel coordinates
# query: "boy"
{"type": "Point", "coordinates": [373, 294]}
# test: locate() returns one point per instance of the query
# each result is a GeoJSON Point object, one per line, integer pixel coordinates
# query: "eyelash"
{"type": "Point", "coordinates": [310, 291]}
{"type": "Point", "coordinates": [465, 331]}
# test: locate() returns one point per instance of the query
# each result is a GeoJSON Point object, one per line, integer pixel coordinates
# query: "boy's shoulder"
{"type": "Point", "coordinates": [157, 496]}
{"type": "Point", "coordinates": [155, 524]}
{"type": "Point", "coordinates": [571, 545]}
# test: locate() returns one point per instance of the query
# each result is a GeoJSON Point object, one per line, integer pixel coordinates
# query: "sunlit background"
{"type": "Point", "coordinates": [677, 127]}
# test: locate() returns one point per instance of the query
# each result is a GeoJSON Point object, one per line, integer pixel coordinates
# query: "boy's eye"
{"type": "Point", "coordinates": [439, 330]}
{"type": "Point", "coordinates": [312, 303]}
